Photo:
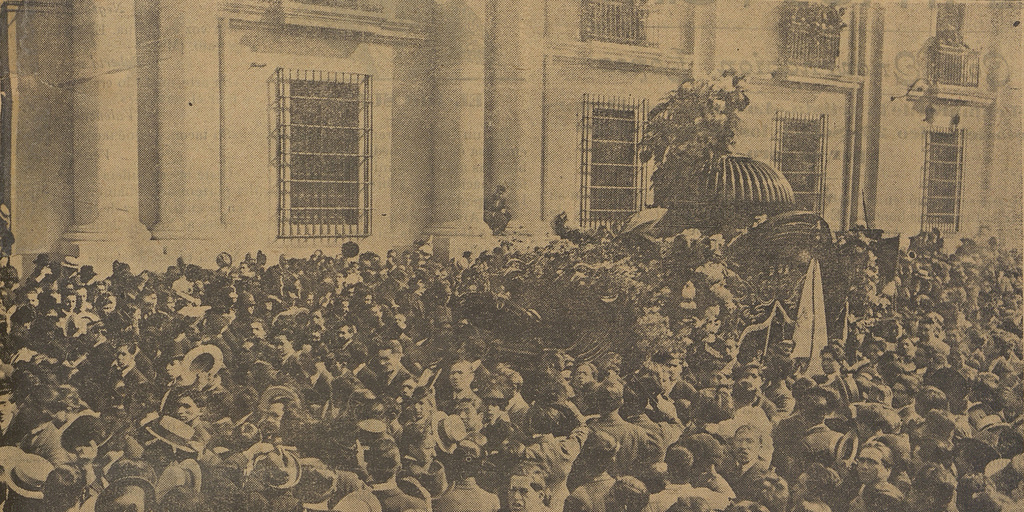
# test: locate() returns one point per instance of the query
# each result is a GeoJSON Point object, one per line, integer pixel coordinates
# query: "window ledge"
{"type": "Point", "coordinates": [956, 94]}
{"type": "Point", "coordinates": [382, 23]}
{"type": "Point", "coordinates": [814, 76]}
{"type": "Point", "coordinates": [619, 55]}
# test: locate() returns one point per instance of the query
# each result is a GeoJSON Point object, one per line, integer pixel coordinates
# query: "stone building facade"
{"type": "Point", "coordinates": [143, 130]}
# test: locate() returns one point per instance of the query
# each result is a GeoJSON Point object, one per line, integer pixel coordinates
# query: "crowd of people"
{"type": "Point", "coordinates": [350, 383]}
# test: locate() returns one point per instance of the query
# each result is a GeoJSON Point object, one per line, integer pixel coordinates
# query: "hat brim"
{"type": "Point", "coordinates": [174, 444]}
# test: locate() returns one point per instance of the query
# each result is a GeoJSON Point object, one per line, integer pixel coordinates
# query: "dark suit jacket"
{"type": "Point", "coordinates": [748, 485]}
{"type": "Point", "coordinates": [381, 385]}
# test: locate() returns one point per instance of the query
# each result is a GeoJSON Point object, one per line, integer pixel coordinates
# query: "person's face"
{"type": "Point", "coordinates": [282, 346]}
{"type": "Point", "coordinates": [747, 447]}
{"type": "Point", "coordinates": [583, 377]}
{"type": "Point", "coordinates": [407, 388]}
{"type": "Point", "coordinates": [828, 364]}
{"type": "Point", "coordinates": [870, 468]}
{"type": "Point", "coordinates": [975, 415]}
{"type": "Point", "coordinates": [389, 360]}
{"type": "Point", "coordinates": [7, 407]}
{"type": "Point", "coordinates": [346, 332]}
{"type": "Point", "coordinates": [491, 411]}
{"type": "Point", "coordinates": [87, 453]}
{"type": "Point", "coordinates": [400, 322]}
{"type": "Point", "coordinates": [149, 300]}
{"type": "Point", "coordinates": [188, 411]}
{"type": "Point", "coordinates": [522, 497]}
{"type": "Point", "coordinates": [275, 413]}
{"type": "Point", "coordinates": [125, 357]}
{"type": "Point", "coordinates": [751, 379]}
{"type": "Point", "coordinates": [470, 418]}
{"type": "Point", "coordinates": [70, 302]}
{"type": "Point", "coordinates": [420, 409]}
{"type": "Point", "coordinates": [33, 299]}
{"type": "Point", "coordinates": [461, 376]}
{"type": "Point", "coordinates": [174, 369]}
{"type": "Point", "coordinates": [258, 331]}
{"type": "Point", "coordinates": [907, 348]}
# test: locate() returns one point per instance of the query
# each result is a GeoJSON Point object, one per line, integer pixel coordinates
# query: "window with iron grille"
{"type": "Point", "coordinates": [811, 34]}
{"type": "Point", "coordinates": [950, 60]}
{"type": "Point", "coordinates": [800, 154]}
{"type": "Point", "coordinates": [943, 179]}
{"type": "Point", "coordinates": [613, 179]}
{"type": "Point", "coordinates": [614, 21]}
{"type": "Point", "coordinates": [324, 154]}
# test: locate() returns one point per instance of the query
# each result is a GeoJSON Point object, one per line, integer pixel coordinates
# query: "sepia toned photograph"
{"type": "Point", "coordinates": [511, 256]}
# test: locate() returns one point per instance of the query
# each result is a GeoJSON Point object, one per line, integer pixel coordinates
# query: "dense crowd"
{"type": "Point", "coordinates": [362, 383]}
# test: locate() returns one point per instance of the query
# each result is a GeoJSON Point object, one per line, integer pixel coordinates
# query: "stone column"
{"type": "Point", "coordinates": [515, 111]}
{"type": "Point", "coordinates": [458, 138]}
{"type": "Point", "coordinates": [105, 139]}
{"type": "Point", "coordinates": [189, 122]}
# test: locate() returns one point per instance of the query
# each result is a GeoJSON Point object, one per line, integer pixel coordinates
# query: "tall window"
{"type": "Point", "coordinates": [325, 154]}
{"type": "Point", "coordinates": [800, 154]}
{"type": "Point", "coordinates": [943, 179]}
{"type": "Point", "coordinates": [811, 34]}
{"type": "Point", "coordinates": [950, 60]}
{"type": "Point", "coordinates": [613, 179]}
{"type": "Point", "coordinates": [614, 21]}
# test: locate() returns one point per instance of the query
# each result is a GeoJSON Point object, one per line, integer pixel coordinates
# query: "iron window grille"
{"type": "Point", "coordinates": [943, 179]}
{"type": "Point", "coordinates": [614, 21]}
{"type": "Point", "coordinates": [324, 154]}
{"type": "Point", "coordinates": [800, 153]}
{"type": "Point", "coordinates": [613, 180]}
{"type": "Point", "coordinates": [812, 34]}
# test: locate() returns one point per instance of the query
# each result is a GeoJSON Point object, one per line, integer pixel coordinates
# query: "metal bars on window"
{"type": "Point", "coordinates": [614, 21]}
{"type": "Point", "coordinates": [324, 154]}
{"type": "Point", "coordinates": [613, 180]}
{"type": "Point", "coordinates": [943, 179]}
{"type": "Point", "coordinates": [800, 153]}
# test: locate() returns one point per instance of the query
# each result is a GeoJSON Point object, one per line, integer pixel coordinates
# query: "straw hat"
{"type": "Point", "coordinates": [172, 431]}
{"type": "Point", "coordinates": [450, 430]}
{"type": "Point", "coordinates": [27, 474]}
{"type": "Point", "coordinates": [213, 350]}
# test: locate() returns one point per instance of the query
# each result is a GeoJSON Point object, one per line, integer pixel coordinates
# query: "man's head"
{"type": "Point", "coordinates": [8, 407]}
{"type": "Point", "coordinates": [467, 410]}
{"type": "Point", "coordinates": [627, 494]}
{"type": "Point", "coordinates": [389, 356]}
{"type": "Point", "coordinates": [282, 345]}
{"type": "Point", "coordinates": [608, 396]}
{"type": "Point", "coordinates": [584, 375]}
{"type": "Point", "coordinates": [750, 444]}
{"type": "Point", "coordinates": [125, 354]}
{"type": "Point", "coordinates": [383, 460]}
{"type": "Point", "coordinates": [460, 375]}
{"type": "Point", "coordinates": [680, 463]}
{"type": "Point", "coordinates": [874, 464]}
{"type": "Point", "coordinates": [190, 407]}
{"type": "Point", "coordinates": [749, 378]}
{"type": "Point", "coordinates": [527, 490]}
{"type": "Point", "coordinates": [831, 359]}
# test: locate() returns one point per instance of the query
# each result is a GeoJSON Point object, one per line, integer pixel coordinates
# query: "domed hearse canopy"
{"type": "Point", "coordinates": [741, 181]}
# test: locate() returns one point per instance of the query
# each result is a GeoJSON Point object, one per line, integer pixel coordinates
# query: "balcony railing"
{"type": "Point", "coordinates": [953, 65]}
{"type": "Point", "coordinates": [812, 35]}
{"type": "Point", "coordinates": [811, 47]}
{"type": "Point", "coordinates": [615, 21]}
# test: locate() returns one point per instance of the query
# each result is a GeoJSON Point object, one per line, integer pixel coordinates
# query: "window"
{"type": "Point", "coordinates": [324, 153]}
{"type": "Point", "coordinates": [943, 179]}
{"type": "Point", "coordinates": [613, 179]}
{"type": "Point", "coordinates": [615, 21]}
{"type": "Point", "coordinates": [800, 151]}
{"type": "Point", "coordinates": [811, 34]}
{"type": "Point", "coordinates": [950, 60]}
